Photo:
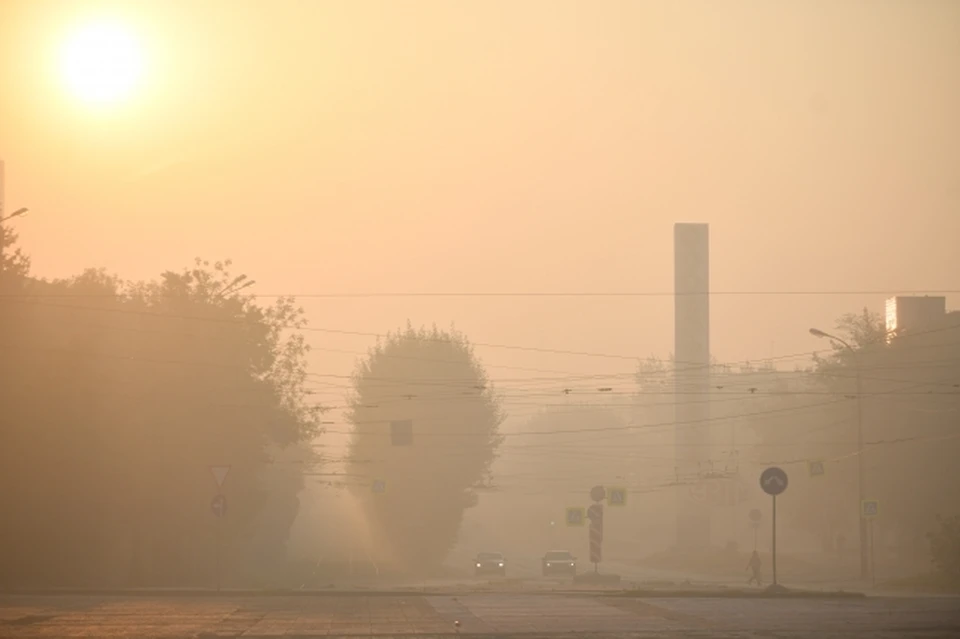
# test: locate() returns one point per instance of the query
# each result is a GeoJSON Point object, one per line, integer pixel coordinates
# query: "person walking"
{"type": "Point", "coordinates": [754, 566]}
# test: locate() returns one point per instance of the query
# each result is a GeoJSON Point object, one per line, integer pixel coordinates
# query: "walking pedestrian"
{"type": "Point", "coordinates": [754, 566]}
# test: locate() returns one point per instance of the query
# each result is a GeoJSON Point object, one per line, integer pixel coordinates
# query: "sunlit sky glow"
{"type": "Point", "coordinates": [495, 145]}
{"type": "Point", "coordinates": [102, 62]}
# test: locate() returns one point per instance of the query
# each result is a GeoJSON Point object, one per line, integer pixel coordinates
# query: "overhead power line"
{"type": "Point", "coordinates": [543, 294]}
{"type": "Point", "coordinates": [683, 366]}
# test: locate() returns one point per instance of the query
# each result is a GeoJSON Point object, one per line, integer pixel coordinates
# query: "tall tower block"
{"type": "Point", "coordinates": [691, 284]}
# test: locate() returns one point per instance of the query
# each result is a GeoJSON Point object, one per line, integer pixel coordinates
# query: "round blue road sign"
{"type": "Point", "coordinates": [773, 481]}
{"type": "Point", "coordinates": [218, 505]}
{"type": "Point", "coordinates": [598, 493]}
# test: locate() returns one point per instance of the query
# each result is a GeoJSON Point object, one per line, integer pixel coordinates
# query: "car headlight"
{"type": "Point", "coordinates": [571, 563]}
{"type": "Point", "coordinates": [549, 564]}
{"type": "Point", "coordinates": [501, 564]}
{"type": "Point", "coordinates": [478, 565]}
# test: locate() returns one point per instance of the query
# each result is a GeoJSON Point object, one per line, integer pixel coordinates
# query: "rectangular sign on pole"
{"type": "Point", "coordinates": [575, 516]}
{"type": "Point", "coordinates": [596, 542]}
{"type": "Point", "coordinates": [869, 508]}
{"type": "Point", "coordinates": [617, 496]}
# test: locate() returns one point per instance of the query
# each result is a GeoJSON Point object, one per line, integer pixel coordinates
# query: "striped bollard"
{"type": "Point", "coordinates": [595, 513]}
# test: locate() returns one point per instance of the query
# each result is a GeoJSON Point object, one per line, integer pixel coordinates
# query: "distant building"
{"type": "Point", "coordinates": [907, 314]}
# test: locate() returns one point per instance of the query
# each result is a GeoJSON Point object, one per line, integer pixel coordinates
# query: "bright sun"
{"type": "Point", "coordinates": [102, 62]}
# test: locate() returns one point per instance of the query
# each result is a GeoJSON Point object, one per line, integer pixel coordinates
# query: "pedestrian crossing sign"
{"type": "Point", "coordinates": [869, 508]}
{"type": "Point", "coordinates": [817, 468]}
{"type": "Point", "coordinates": [379, 486]}
{"type": "Point", "coordinates": [575, 516]}
{"type": "Point", "coordinates": [617, 496]}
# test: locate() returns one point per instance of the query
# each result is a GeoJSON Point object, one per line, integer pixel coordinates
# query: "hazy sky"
{"type": "Point", "coordinates": [491, 146]}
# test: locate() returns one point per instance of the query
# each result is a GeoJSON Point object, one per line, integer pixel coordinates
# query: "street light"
{"type": "Point", "coordinates": [860, 494]}
{"type": "Point", "coordinates": [17, 213]}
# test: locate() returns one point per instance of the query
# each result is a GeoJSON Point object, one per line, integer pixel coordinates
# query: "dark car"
{"type": "Point", "coordinates": [559, 562]}
{"type": "Point", "coordinates": [490, 563]}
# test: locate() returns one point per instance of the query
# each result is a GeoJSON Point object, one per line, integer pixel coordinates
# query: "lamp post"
{"type": "Point", "coordinates": [864, 564]}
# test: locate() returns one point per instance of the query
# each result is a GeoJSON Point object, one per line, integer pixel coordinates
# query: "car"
{"type": "Point", "coordinates": [559, 562]}
{"type": "Point", "coordinates": [490, 563]}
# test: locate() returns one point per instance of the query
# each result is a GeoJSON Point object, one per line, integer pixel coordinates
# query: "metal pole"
{"type": "Point", "coordinates": [217, 551]}
{"type": "Point", "coordinates": [774, 540]}
{"type": "Point", "coordinates": [864, 544]}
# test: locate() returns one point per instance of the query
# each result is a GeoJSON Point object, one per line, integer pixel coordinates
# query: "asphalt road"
{"type": "Point", "coordinates": [494, 614]}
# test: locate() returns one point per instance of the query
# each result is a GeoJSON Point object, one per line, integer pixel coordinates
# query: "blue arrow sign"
{"type": "Point", "coordinates": [773, 481]}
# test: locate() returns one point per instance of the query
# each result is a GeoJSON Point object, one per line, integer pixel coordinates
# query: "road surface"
{"type": "Point", "coordinates": [495, 614]}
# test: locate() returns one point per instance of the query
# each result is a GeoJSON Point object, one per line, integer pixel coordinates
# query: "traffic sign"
{"type": "Point", "coordinates": [617, 497]}
{"type": "Point", "coordinates": [597, 493]}
{"type": "Point", "coordinates": [773, 481]}
{"type": "Point", "coordinates": [869, 508]}
{"type": "Point", "coordinates": [596, 544]}
{"type": "Point", "coordinates": [595, 514]}
{"type": "Point", "coordinates": [218, 506]}
{"type": "Point", "coordinates": [219, 474]}
{"type": "Point", "coordinates": [379, 486]}
{"type": "Point", "coordinates": [755, 515]}
{"type": "Point", "coordinates": [575, 516]}
{"type": "Point", "coordinates": [817, 468]}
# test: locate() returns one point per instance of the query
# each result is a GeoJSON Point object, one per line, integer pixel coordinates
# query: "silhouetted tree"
{"type": "Point", "coordinates": [432, 379]}
{"type": "Point", "coordinates": [910, 398]}
{"type": "Point", "coordinates": [116, 399]}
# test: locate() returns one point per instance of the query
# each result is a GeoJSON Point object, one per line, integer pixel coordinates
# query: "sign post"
{"type": "Point", "coordinates": [870, 510]}
{"type": "Point", "coordinates": [218, 506]}
{"type": "Point", "coordinates": [773, 481]}
{"type": "Point", "coordinates": [595, 514]}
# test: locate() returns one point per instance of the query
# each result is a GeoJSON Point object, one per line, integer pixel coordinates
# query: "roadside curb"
{"type": "Point", "coordinates": [412, 592]}
{"type": "Point", "coordinates": [736, 594]}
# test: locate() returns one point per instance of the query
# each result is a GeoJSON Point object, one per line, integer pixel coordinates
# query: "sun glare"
{"type": "Point", "coordinates": [102, 62]}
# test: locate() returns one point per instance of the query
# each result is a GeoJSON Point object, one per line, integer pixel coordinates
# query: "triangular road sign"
{"type": "Point", "coordinates": [219, 474]}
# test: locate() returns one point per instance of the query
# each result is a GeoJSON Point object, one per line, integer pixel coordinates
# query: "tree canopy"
{"type": "Point", "coordinates": [431, 379]}
{"type": "Point", "coordinates": [911, 394]}
{"type": "Point", "coordinates": [117, 398]}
